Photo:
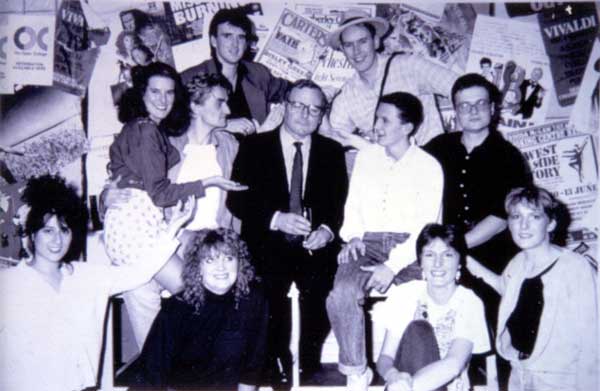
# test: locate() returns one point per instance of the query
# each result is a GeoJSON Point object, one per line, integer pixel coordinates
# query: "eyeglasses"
{"type": "Point", "coordinates": [300, 107]}
{"type": "Point", "coordinates": [465, 107]}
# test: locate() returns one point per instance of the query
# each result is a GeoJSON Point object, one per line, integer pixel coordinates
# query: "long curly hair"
{"type": "Point", "coordinates": [47, 196]}
{"type": "Point", "coordinates": [204, 243]}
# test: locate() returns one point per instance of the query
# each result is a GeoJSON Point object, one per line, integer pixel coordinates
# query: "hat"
{"type": "Point", "coordinates": [353, 17]}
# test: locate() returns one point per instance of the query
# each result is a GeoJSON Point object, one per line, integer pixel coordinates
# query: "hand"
{"type": "Point", "coordinates": [351, 250]}
{"type": "Point", "coordinates": [317, 239]}
{"type": "Point", "coordinates": [381, 278]}
{"type": "Point", "coordinates": [182, 212]}
{"type": "Point", "coordinates": [330, 92]}
{"type": "Point", "coordinates": [112, 196]}
{"type": "Point", "coordinates": [274, 118]}
{"type": "Point", "coordinates": [402, 382]}
{"type": "Point", "coordinates": [241, 126]}
{"type": "Point", "coordinates": [223, 183]}
{"type": "Point", "coordinates": [292, 224]}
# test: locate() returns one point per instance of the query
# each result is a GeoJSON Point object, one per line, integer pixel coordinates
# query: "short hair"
{"type": "Point", "coordinates": [476, 80]}
{"type": "Point", "coordinates": [236, 17]}
{"type": "Point", "coordinates": [485, 60]}
{"type": "Point", "coordinates": [306, 83]}
{"type": "Point", "coordinates": [447, 233]}
{"type": "Point", "coordinates": [200, 86]}
{"type": "Point", "coordinates": [132, 106]}
{"type": "Point", "coordinates": [541, 198]}
{"type": "Point", "coordinates": [409, 108]}
{"type": "Point", "coordinates": [120, 44]}
{"type": "Point", "coordinates": [199, 249]}
{"type": "Point", "coordinates": [47, 196]}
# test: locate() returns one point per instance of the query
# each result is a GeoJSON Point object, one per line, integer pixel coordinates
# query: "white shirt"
{"type": "Point", "coordinates": [461, 317]}
{"type": "Point", "coordinates": [51, 340]}
{"type": "Point", "coordinates": [355, 105]}
{"type": "Point", "coordinates": [393, 196]}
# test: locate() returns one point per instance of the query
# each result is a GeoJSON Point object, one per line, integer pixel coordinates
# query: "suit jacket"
{"type": "Point", "coordinates": [259, 85]}
{"type": "Point", "coordinates": [528, 103]}
{"type": "Point", "coordinates": [260, 165]}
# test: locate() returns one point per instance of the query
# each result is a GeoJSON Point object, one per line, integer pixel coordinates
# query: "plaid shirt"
{"type": "Point", "coordinates": [354, 107]}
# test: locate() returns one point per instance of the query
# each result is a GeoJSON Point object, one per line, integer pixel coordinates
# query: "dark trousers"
{"type": "Point", "coordinates": [313, 275]}
{"type": "Point", "coordinates": [418, 348]}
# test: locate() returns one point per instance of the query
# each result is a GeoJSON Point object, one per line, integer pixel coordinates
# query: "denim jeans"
{"type": "Point", "coordinates": [346, 299]}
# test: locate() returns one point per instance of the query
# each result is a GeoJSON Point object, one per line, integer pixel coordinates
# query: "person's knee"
{"type": "Point", "coordinates": [344, 291]}
{"type": "Point", "coordinates": [419, 330]}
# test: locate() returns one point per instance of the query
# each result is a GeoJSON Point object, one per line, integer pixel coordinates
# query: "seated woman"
{"type": "Point", "coordinates": [432, 325]}
{"type": "Point", "coordinates": [548, 316]}
{"type": "Point", "coordinates": [53, 308]}
{"type": "Point", "coordinates": [213, 333]}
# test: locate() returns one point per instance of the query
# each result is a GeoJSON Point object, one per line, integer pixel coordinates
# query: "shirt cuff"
{"type": "Point", "coordinates": [272, 225]}
{"type": "Point", "coordinates": [326, 228]}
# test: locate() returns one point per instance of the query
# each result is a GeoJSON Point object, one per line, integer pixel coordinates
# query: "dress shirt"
{"type": "Point", "coordinates": [355, 105]}
{"type": "Point", "coordinates": [394, 196]}
{"type": "Point", "coordinates": [51, 339]}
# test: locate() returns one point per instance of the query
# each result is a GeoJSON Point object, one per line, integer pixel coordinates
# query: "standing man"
{"type": "Point", "coordinates": [353, 110]}
{"type": "Point", "coordinates": [291, 215]}
{"type": "Point", "coordinates": [253, 87]}
{"type": "Point", "coordinates": [532, 93]}
{"type": "Point", "coordinates": [480, 168]}
{"type": "Point", "coordinates": [395, 190]}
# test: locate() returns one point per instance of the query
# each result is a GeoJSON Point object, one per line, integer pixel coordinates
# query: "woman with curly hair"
{"type": "Point", "coordinates": [213, 333]}
{"type": "Point", "coordinates": [53, 306]}
{"type": "Point", "coordinates": [155, 108]}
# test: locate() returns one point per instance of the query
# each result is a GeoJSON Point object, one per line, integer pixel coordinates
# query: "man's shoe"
{"type": "Point", "coordinates": [359, 382]}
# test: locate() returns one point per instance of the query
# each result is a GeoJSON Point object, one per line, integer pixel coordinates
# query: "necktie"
{"type": "Point", "coordinates": [296, 182]}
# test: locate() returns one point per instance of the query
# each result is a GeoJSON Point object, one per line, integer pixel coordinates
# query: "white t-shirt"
{"type": "Point", "coordinates": [462, 317]}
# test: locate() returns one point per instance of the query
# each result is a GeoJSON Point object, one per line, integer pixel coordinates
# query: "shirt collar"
{"type": "Point", "coordinates": [241, 68]}
{"type": "Point", "coordinates": [287, 140]}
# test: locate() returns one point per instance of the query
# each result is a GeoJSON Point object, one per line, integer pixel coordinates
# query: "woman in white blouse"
{"type": "Point", "coordinates": [53, 306]}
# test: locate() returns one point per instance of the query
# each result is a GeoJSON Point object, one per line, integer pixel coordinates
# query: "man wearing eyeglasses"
{"type": "Point", "coordinates": [480, 168]}
{"type": "Point", "coordinates": [290, 216]}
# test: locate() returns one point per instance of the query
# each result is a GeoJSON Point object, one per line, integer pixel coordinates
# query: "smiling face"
{"type": "Point", "coordinates": [51, 242]}
{"type": "Point", "coordinates": [440, 262]}
{"type": "Point", "coordinates": [229, 44]}
{"type": "Point", "coordinates": [529, 226]}
{"type": "Point", "coordinates": [214, 110]}
{"type": "Point", "coordinates": [359, 47]}
{"type": "Point", "coordinates": [159, 97]}
{"type": "Point", "coordinates": [219, 272]}
{"type": "Point", "coordinates": [389, 128]}
{"type": "Point", "coordinates": [476, 115]}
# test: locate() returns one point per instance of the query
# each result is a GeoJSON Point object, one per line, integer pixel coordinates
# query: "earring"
{"type": "Point", "coordinates": [457, 277]}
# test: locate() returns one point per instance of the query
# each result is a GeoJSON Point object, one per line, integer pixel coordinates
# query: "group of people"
{"type": "Point", "coordinates": [423, 218]}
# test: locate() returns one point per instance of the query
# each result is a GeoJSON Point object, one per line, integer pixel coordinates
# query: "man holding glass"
{"type": "Point", "coordinates": [291, 215]}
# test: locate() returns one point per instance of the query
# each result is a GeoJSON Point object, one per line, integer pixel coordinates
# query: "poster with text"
{"type": "Point", "coordinates": [295, 47]}
{"type": "Point", "coordinates": [585, 114]}
{"type": "Point", "coordinates": [511, 54]}
{"type": "Point", "coordinates": [30, 49]}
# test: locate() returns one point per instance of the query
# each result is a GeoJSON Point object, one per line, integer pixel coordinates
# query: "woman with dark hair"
{"type": "Point", "coordinates": [432, 325]}
{"type": "Point", "coordinates": [155, 108]}
{"type": "Point", "coordinates": [53, 307]}
{"type": "Point", "coordinates": [548, 316]}
{"type": "Point", "coordinates": [213, 333]}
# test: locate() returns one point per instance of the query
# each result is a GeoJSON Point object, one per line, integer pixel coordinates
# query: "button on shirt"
{"type": "Point", "coordinates": [394, 196]}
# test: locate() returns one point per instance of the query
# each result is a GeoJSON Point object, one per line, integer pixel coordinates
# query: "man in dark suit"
{"type": "Point", "coordinates": [532, 93]}
{"type": "Point", "coordinates": [291, 215]}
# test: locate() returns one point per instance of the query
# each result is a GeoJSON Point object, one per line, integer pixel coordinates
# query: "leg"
{"type": "Point", "coordinates": [346, 314]}
{"type": "Point", "coordinates": [143, 303]}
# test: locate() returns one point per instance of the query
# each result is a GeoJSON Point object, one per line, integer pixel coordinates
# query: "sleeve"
{"type": "Point", "coordinates": [339, 117]}
{"type": "Point", "coordinates": [333, 217]}
{"type": "Point", "coordinates": [353, 225]}
{"type": "Point", "coordinates": [131, 275]}
{"type": "Point", "coordinates": [429, 191]}
{"type": "Point", "coordinates": [516, 174]}
{"type": "Point", "coordinates": [151, 152]}
{"type": "Point", "coordinates": [256, 344]}
{"type": "Point", "coordinates": [471, 324]}
{"type": "Point", "coordinates": [437, 78]}
{"type": "Point", "coordinates": [276, 88]}
{"type": "Point", "coordinates": [587, 298]}
{"type": "Point", "coordinates": [153, 365]}
{"type": "Point", "coordinates": [398, 310]}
